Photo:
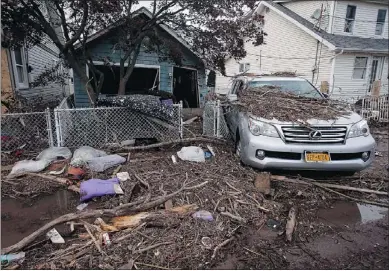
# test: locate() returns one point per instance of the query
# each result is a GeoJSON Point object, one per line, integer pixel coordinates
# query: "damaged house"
{"type": "Point", "coordinates": [152, 72]}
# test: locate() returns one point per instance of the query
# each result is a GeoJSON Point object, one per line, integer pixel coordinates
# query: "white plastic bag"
{"type": "Point", "coordinates": [83, 154]}
{"type": "Point", "coordinates": [99, 164]}
{"type": "Point", "coordinates": [192, 153]}
{"type": "Point", "coordinates": [51, 154]}
{"type": "Point", "coordinates": [26, 166]}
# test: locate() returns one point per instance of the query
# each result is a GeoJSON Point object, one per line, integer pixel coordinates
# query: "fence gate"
{"type": "Point", "coordinates": [376, 108]}
{"type": "Point", "coordinates": [214, 122]}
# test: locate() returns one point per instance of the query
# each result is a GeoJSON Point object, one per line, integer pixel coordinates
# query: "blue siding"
{"type": "Point", "coordinates": [103, 48]}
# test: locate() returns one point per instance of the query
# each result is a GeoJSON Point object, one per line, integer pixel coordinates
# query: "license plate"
{"type": "Point", "coordinates": [317, 157]}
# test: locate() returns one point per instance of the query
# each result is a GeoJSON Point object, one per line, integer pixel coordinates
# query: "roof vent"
{"type": "Point", "coordinates": [316, 14]}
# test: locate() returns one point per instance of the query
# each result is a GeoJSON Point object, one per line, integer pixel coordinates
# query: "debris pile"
{"type": "Point", "coordinates": [270, 102]}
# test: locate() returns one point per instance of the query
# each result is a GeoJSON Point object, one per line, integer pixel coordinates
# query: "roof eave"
{"type": "Point", "coordinates": [359, 50]}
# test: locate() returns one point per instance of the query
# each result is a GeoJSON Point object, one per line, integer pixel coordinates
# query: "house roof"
{"type": "Point", "coordinates": [146, 12]}
{"type": "Point", "coordinates": [346, 43]}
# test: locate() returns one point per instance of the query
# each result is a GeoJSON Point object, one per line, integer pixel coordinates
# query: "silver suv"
{"type": "Point", "coordinates": [343, 145]}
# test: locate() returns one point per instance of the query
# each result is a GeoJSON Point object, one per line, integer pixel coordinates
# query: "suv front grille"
{"type": "Point", "coordinates": [328, 135]}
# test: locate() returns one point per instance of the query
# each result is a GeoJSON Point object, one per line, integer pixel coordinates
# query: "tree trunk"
{"type": "Point", "coordinates": [130, 69]}
{"type": "Point", "coordinates": [122, 87]}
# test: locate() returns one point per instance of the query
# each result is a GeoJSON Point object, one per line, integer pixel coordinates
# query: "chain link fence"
{"type": "Point", "coordinates": [98, 127]}
{"type": "Point", "coordinates": [28, 131]}
{"type": "Point", "coordinates": [214, 121]}
{"type": "Point", "coordinates": [376, 108]}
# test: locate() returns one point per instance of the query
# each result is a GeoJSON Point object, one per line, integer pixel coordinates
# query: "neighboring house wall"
{"type": "Point", "coordinates": [365, 19]}
{"type": "Point", "coordinates": [102, 48]}
{"type": "Point", "coordinates": [307, 8]}
{"type": "Point", "coordinates": [347, 87]}
{"type": "Point", "coordinates": [6, 85]}
{"type": "Point", "coordinates": [287, 48]}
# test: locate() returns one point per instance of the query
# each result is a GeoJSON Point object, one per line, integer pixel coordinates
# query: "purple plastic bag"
{"type": "Point", "coordinates": [96, 188]}
{"type": "Point", "coordinates": [167, 102]}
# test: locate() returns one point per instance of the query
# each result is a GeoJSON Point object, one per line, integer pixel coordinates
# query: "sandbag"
{"type": "Point", "coordinates": [192, 153]}
{"type": "Point", "coordinates": [100, 164]}
{"type": "Point", "coordinates": [85, 153]}
{"type": "Point", "coordinates": [52, 154]}
{"type": "Point", "coordinates": [26, 166]}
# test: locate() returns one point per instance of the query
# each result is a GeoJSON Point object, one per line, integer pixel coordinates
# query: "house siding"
{"type": "Point", "coordinates": [104, 48]}
{"type": "Point", "coordinates": [284, 42]}
{"type": "Point", "coordinates": [347, 88]}
{"type": "Point", "coordinates": [365, 19]}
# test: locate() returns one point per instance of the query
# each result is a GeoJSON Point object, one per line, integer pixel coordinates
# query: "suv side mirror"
{"type": "Point", "coordinates": [232, 97]}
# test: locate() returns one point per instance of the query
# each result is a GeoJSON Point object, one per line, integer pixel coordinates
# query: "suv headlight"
{"type": "Point", "coordinates": [262, 128]}
{"type": "Point", "coordinates": [359, 129]}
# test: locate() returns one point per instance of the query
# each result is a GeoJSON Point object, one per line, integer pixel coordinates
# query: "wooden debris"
{"type": "Point", "coordinates": [262, 182]}
{"type": "Point", "coordinates": [218, 247]}
{"type": "Point", "coordinates": [169, 204]}
{"type": "Point", "coordinates": [290, 224]}
{"type": "Point", "coordinates": [237, 218]}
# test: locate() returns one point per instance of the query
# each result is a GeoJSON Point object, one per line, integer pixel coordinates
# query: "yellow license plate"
{"type": "Point", "coordinates": [317, 157]}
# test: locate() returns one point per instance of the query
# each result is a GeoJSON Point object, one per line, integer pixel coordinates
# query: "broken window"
{"type": "Point", "coordinates": [381, 16]}
{"type": "Point", "coordinates": [360, 68]}
{"type": "Point", "coordinates": [350, 19]}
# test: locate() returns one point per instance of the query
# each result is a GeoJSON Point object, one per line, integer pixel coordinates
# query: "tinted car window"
{"type": "Point", "coordinates": [302, 88]}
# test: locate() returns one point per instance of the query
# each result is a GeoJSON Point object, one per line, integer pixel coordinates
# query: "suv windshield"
{"type": "Point", "coordinates": [301, 88]}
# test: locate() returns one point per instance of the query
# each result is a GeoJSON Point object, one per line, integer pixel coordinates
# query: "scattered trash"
{"type": "Point", "coordinates": [299, 193]}
{"type": "Point", "coordinates": [169, 204]}
{"type": "Point", "coordinates": [207, 155]}
{"type": "Point", "coordinates": [273, 224]}
{"type": "Point", "coordinates": [123, 176]}
{"type": "Point", "coordinates": [96, 188]}
{"type": "Point", "coordinates": [192, 153]}
{"type": "Point", "coordinates": [207, 242]}
{"type": "Point", "coordinates": [57, 172]}
{"type": "Point", "coordinates": [106, 239]}
{"type": "Point", "coordinates": [55, 237]}
{"type": "Point", "coordinates": [100, 164]}
{"type": "Point", "coordinates": [26, 166]}
{"type": "Point", "coordinates": [53, 153]}
{"type": "Point", "coordinates": [83, 154]}
{"type": "Point", "coordinates": [189, 121]}
{"type": "Point", "coordinates": [211, 150]}
{"type": "Point", "coordinates": [75, 173]}
{"type": "Point", "coordinates": [14, 257]}
{"type": "Point", "coordinates": [82, 206]}
{"type": "Point", "coordinates": [379, 154]}
{"type": "Point", "coordinates": [129, 142]}
{"type": "Point", "coordinates": [262, 183]}
{"type": "Point", "coordinates": [203, 215]}
{"type": "Point", "coordinates": [174, 159]}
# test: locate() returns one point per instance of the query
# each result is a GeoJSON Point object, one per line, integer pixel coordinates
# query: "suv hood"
{"type": "Point", "coordinates": [343, 120]}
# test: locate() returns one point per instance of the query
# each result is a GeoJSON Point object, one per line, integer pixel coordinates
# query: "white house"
{"type": "Point", "coordinates": [342, 45]}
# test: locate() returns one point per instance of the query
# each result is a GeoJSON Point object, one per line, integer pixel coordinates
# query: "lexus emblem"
{"type": "Point", "coordinates": [315, 135]}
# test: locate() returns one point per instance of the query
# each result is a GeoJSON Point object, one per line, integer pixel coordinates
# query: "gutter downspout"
{"type": "Point", "coordinates": [332, 82]}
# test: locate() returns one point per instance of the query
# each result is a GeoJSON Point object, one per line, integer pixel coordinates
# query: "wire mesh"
{"type": "Point", "coordinates": [28, 131]}
{"type": "Point", "coordinates": [376, 108]}
{"type": "Point", "coordinates": [214, 121]}
{"type": "Point", "coordinates": [98, 127]}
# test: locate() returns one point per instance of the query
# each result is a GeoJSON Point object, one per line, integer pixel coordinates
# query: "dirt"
{"type": "Point", "coordinates": [331, 233]}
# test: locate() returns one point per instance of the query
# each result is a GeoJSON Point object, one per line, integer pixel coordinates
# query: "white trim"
{"type": "Point", "coordinates": [19, 85]}
{"type": "Point", "coordinates": [331, 17]}
{"type": "Point", "coordinates": [306, 29]}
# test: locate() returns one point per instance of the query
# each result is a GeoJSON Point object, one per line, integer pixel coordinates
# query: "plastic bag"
{"type": "Point", "coordinates": [52, 154]}
{"type": "Point", "coordinates": [85, 153]}
{"type": "Point", "coordinates": [100, 164]}
{"type": "Point", "coordinates": [194, 154]}
{"type": "Point", "coordinates": [96, 188]}
{"type": "Point", "coordinates": [203, 215]}
{"type": "Point", "coordinates": [26, 166]}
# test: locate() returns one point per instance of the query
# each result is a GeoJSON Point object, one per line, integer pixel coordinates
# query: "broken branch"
{"type": "Point", "coordinates": [290, 224]}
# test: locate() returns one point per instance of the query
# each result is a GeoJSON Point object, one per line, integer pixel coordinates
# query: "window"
{"type": "Point", "coordinates": [379, 27]}
{"type": "Point", "coordinates": [350, 18]}
{"type": "Point", "coordinates": [20, 68]}
{"type": "Point", "coordinates": [244, 67]}
{"type": "Point", "coordinates": [360, 68]}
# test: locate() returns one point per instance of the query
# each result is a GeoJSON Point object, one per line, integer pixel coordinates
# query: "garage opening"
{"type": "Point", "coordinates": [143, 80]}
{"type": "Point", "coordinates": [185, 87]}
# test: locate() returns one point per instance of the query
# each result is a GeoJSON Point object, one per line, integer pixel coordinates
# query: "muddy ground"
{"type": "Point", "coordinates": [332, 232]}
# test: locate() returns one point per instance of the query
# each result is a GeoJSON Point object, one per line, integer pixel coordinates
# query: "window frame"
{"type": "Point", "coordinates": [25, 83]}
{"type": "Point", "coordinates": [246, 67]}
{"type": "Point", "coordinates": [359, 68]}
{"type": "Point", "coordinates": [381, 24]}
{"type": "Point", "coordinates": [349, 23]}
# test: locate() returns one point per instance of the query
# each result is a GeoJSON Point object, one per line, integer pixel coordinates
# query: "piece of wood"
{"type": "Point", "coordinates": [152, 247]}
{"type": "Point", "coordinates": [218, 247]}
{"type": "Point", "coordinates": [169, 204]}
{"type": "Point", "coordinates": [290, 224]}
{"type": "Point", "coordinates": [262, 183]}
{"type": "Point", "coordinates": [59, 180]}
{"type": "Point", "coordinates": [94, 239]}
{"type": "Point", "coordinates": [119, 210]}
{"type": "Point", "coordinates": [179, 141]}
{"type": "Point", "coordinates": [237, 218]}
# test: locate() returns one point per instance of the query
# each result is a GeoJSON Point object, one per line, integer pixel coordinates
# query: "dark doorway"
{"type": "Point", "coordinates": [142, 80]}
{"type": "Point", "coordinates": [185, 87]}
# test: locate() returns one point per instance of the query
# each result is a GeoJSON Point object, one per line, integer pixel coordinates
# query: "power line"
{"type": "Point", "coordinates": [278, 57]}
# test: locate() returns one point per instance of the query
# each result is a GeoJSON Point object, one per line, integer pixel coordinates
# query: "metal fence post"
{"type": "Point", "coordinates": [57, 127]}
{"type": "Point", "coordinates": [49, 130]}
{"type": "Point", "coordinates": [181, 121]}
{"type": "Point", "coordinates": [218, 118]}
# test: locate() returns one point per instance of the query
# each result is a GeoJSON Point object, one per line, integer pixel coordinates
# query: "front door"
{"type": "Point", "coordinates": [376, 70]}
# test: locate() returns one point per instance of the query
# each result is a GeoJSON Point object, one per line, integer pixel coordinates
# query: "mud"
{"type": "Point", "coordinates": [19, 218]}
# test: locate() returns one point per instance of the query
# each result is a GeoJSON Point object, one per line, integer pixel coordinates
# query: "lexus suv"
{"type": "Point", "coordinates": [344, 144]}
